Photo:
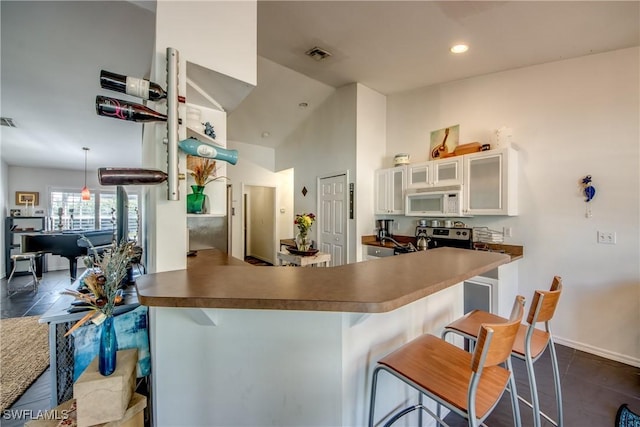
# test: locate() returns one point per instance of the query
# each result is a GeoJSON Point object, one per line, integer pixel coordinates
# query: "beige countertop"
{"type": "Point", "coordinates": [214, 280]}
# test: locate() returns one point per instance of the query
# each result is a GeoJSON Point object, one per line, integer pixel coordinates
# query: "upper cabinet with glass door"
{"type": "Point", "coordinates": [436, 173]}
{"type": "Point", "coordinates": [389, 191]}
{"type": "Point", "coordinates": [491, 183]}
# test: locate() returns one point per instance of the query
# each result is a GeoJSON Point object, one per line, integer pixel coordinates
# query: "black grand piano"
{"type": "Point", "coordinates": [69, 244]}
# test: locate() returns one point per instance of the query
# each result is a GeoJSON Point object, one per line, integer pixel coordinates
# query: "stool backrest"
{"type": "Point", "coordinates": [495, 340]}
{"type": "Point", "coordinates": [544, 303]}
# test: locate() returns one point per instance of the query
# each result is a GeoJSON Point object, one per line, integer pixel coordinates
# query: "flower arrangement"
{"type": "Point", "coordinates": [304, 222]}
{"type": "Point", "coordinates": [202, 169]}
{"type": "Point", "coordinates": [103, 282]}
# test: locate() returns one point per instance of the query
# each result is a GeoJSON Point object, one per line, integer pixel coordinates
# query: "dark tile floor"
{"type": "Point", "coordinates": [38, 397]}
{"type": "Point", "coordinates": [593, 387]}
{"type": "Point", "coordinates": [255, 261]}
{"type": "Point", "coordinates": [592, 390]}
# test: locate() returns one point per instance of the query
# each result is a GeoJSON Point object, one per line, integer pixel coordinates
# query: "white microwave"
{"type": "Point", "coordinates": [433, 202]}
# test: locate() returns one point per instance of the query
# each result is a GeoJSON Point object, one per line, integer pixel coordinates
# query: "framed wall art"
{"type": "Point", "coordinates": [443, 142]}
{"type": "Point", "coordinates": [27, 198]}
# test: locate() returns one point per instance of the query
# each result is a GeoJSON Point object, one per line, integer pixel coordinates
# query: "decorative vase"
{"type": "Point", "coordinates": [108, 348]}
{"type": "Point", "coordinates": [303, 241]}
{"type": "Point", "coordinates": [197, 201]}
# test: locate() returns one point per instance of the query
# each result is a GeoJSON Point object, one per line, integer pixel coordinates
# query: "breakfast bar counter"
{"type": "Point", "coordinates": [235, 344]}
{"type": "Point", "coordinates": [213, 280]}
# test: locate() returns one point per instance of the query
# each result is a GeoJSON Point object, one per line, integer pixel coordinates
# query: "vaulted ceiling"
{"type": "Point", "coordinates": [52, 52]}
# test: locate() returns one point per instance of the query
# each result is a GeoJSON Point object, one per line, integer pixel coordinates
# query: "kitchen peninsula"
{"type": "Point", "coordinates": [234, 344]}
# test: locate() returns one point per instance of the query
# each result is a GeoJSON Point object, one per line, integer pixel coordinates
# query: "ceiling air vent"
{"type": "Point", "coordinates": [318, 53]}
{"type": "Point", "coordinates": [6, 121]}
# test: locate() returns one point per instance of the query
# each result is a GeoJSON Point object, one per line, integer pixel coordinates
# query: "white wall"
{"type": "Point", "coordinates": [191, 28]}
{"type": "Point", "coordinates": [284, 205]}
{"type": "Point", "coordinates": [321, 145]}
{"type": "Point", "coordinates": [371, 138]}
{"type": "Point", "coordinates": [256, 166]}
{"type": "Point", "coordinates": [570, 118]}
{"type": "Point", "coordinates": [41, 180]}
{"type": "Point", "coordinates": [261, 215]}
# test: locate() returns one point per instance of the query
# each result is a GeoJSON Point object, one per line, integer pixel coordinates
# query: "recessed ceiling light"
{"type": "Point", "coordinates": [459, 48]}
{"type": "Point", "coordinates": [303, 105]}
{"type": "Point", "coordinates": [266, 134]}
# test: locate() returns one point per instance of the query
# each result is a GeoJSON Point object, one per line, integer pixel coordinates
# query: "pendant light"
{"type": "Point", "coordinates": [86, 195]}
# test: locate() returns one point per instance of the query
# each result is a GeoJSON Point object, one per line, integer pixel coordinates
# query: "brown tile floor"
{"type": "Point", "coordinates": [593, 387]}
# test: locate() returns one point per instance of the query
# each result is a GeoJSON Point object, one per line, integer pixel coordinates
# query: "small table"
{"type": "Point", "coordinates": [317, 259]}
{"type": "Point", "coordinates": [61, 348]}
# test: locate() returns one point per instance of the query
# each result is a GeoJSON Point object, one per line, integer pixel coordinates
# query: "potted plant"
{"type": "Point", "coordinates": [304, 222]}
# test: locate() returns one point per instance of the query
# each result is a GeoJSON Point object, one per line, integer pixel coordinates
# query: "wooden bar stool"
{"type": "Point", "coordinates": [529, 345]}
{"type": "Point", "coordinates": [35, 282]}
{"type": "Point", "coordinates": [469, 384]}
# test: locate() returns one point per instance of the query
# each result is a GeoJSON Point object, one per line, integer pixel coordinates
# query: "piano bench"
{"type": "Point", "coordinates": [34, 283]}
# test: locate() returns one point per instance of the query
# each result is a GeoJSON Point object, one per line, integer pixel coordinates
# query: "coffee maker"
{"type": "Point", "coordinates": [385, 226]}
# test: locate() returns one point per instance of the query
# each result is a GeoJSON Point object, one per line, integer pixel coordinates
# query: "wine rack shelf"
{"type": "Point", "coordinates": [172, 124]}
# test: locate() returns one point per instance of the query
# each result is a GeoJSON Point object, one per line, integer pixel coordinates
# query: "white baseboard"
{"type": "Point", "coordinates": [622, 358]}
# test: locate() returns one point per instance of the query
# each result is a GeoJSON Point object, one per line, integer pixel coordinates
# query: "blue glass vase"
{"type": "Point", "coordinates": [108, 348]}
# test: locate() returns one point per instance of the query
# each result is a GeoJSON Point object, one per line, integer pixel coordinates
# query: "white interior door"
{"type": "Point", "coordinates": [332, 233]}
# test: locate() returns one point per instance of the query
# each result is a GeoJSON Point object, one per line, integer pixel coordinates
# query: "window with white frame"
{"type": "Point", "coordinates": [70, 212]}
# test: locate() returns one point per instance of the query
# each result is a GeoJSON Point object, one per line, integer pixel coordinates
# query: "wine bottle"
{"type": "Point", "coordinates": [141, 88]}
{"type": "Point", "coordinates": [130, 176]}
{"type": "Point", "coordinates": [197, 148]}
{"type": "Point", "coordinates": [125, 110]}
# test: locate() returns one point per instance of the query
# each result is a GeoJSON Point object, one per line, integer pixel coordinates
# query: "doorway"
{"type": "Point", "coordinates": [259, 203]}
{"type": "Point", "coordinates": [333, 224]}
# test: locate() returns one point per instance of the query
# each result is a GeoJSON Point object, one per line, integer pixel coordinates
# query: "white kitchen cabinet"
{"type": "Point", "coordinates": [435, 173]}
{"type": "Point", "coordinates": [491, 183]}
{"type": "Point", "coordinates": [390, 185]}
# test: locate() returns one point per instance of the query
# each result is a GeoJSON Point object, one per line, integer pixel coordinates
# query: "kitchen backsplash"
{"type": "Point", "coordinates": [406, 226]}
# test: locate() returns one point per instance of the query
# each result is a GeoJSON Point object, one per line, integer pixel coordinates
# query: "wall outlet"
{"type": "Point", "coordinates": [507, 231]}
{"type": "Point", "coordinates": [607, 237]}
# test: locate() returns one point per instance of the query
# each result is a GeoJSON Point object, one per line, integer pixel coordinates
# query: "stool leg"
{"type": "Point", "coordinates": [13, 270]}
{"type": "Point", "coordinates": [556, 378]}
{"type": "Point", "coordinates": [374, 384]}
{"type": "Point", "coordinates": [32, 267]}
{"type": "Point", "coordinates": [515, 407]}
{"type": "Point", "coordinates": [532, 385]}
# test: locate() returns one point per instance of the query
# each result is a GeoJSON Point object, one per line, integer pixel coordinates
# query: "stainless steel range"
{"type": "Point", "coordinates": [449, 237]}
